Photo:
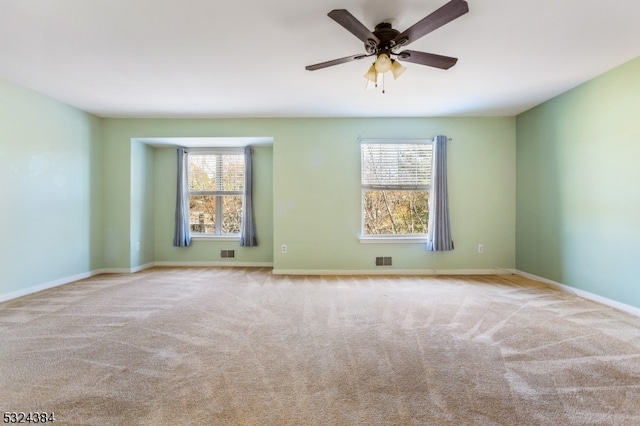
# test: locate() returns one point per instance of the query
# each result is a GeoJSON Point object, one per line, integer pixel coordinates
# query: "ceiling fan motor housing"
{"type": "Point", "coordinates": [386, 36]}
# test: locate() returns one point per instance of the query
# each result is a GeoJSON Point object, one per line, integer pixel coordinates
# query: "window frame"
{"type": "Point", "coordinates": [218, 194]}
{"type": "Point", "coordinates": [390, 238]}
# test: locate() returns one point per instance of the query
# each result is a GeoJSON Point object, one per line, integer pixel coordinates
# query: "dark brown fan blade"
{"type": "Point", "coordinates": [355, 27]}
{"type": "Point", "coordinates": [335, 62]}
{"type": "Point", "coordinates": [428, 59]}
{"type": "Point", "coordinates": [446, 14]}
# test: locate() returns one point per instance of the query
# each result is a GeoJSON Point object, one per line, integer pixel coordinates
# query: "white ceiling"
{"type": "Point", "coordinates": [246, 58]}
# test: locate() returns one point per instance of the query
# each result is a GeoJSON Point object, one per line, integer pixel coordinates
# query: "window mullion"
{"type": "Point", "coordinates": [219, 197]}
{"type": "Point", "coordinates": [218, 215]}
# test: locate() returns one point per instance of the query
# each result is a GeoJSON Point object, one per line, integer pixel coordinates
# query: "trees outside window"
{"type": "Point", "coordinates": [396, 178]}
{"type": "Point", "coordinates": [216, 183]}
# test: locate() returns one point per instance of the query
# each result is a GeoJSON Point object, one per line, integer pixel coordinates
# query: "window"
{"type": "Point", "coordinates": [396, 178]}
{"type": "Point", "coordinates": [216, 184]}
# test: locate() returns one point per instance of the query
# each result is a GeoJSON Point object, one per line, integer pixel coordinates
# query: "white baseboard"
{"type": "Point", "coordinates": [215, 263]}
{"type": "Point", "coordinates": [45, 286]}
{"type": "Point", "coordinates": [142, 267]}
{"type": "Point", "coordinates": [582, 293]}
{"type": "Point", "coordinates": [118, 271]}
{"type": "Point", "coordinates": [210, 264]}
{"type": "Point", "coordinates": [390, 271]}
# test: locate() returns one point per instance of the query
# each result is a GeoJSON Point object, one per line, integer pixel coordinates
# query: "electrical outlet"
{"type": "Point", "coordinates": [480, 248]}
{"type": "Point", "coordinates": [138, 246]}
{"type": "Point", "coordinates": [284, 249]}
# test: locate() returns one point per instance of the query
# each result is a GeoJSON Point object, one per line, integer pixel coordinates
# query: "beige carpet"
{"type": "Point", "coordinates": [242, 347]}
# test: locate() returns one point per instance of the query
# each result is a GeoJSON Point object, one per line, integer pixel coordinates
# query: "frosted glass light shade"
{"type": "Point", "coordinates": [383, 63]}
{"type": "Point", "coordinates": [397, 69]}
{"type": "Point", "coordinates": [372, 74]}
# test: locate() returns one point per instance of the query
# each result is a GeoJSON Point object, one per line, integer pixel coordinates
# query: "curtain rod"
{"type": "Point", "coordinates": [382, 140]}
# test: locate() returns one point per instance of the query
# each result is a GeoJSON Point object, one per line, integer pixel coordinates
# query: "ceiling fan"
{"type": "Point", "coordinates": [385, 42]}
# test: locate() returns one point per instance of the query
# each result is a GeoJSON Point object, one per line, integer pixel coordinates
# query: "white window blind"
{"type": "Point", "coordinates": [400, 166]}
{"type": "Point", "coordinates": [216, 173]}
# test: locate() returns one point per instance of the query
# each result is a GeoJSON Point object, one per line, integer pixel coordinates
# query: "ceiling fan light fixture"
{"type": "Point", "coordinates": [385, 41]}
{"type": "Point", "coordinates": [397, 69]}
{"type": "Point", "coordinates": [372, 74]}
{"type": "Point", "coordinates": [383, 63]}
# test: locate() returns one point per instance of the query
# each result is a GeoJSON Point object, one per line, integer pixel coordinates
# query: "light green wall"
{"type": "Point", "coordinates": [124, 217]}
{"type": "Point", "coordinates": [317, 194]}
{"type": "Point", "coordinates": [312, 179]}
{"type": "Point", "coordinates": [142, 205]}
{"type": "Point", "coordinates": [92, 193]}
{"type": "Point", "coordinates": [51, 190]}
{"type": "Point", "coordinates": [578, 187]}
{"type": "Point", "coordinates": [117, 198]}
{"type": "Point", "coordinates": [95, 192]}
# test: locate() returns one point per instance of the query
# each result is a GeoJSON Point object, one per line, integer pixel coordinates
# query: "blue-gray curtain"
{"type": "Point", "coordinates": [182, 233]}
{"type": "Point", "coordinates": [248, 231]}
{"type": "Point", "coordinates": [439, 228]}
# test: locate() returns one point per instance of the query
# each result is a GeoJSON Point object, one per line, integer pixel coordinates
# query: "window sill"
{"type": "Point", "coordinates": [204, 237]}
{"type": "Point", "coordinates": [392, 239]}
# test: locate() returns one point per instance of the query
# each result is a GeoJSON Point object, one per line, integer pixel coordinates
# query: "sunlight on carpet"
{"type": "Point", "coordinates": [241, 346]}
